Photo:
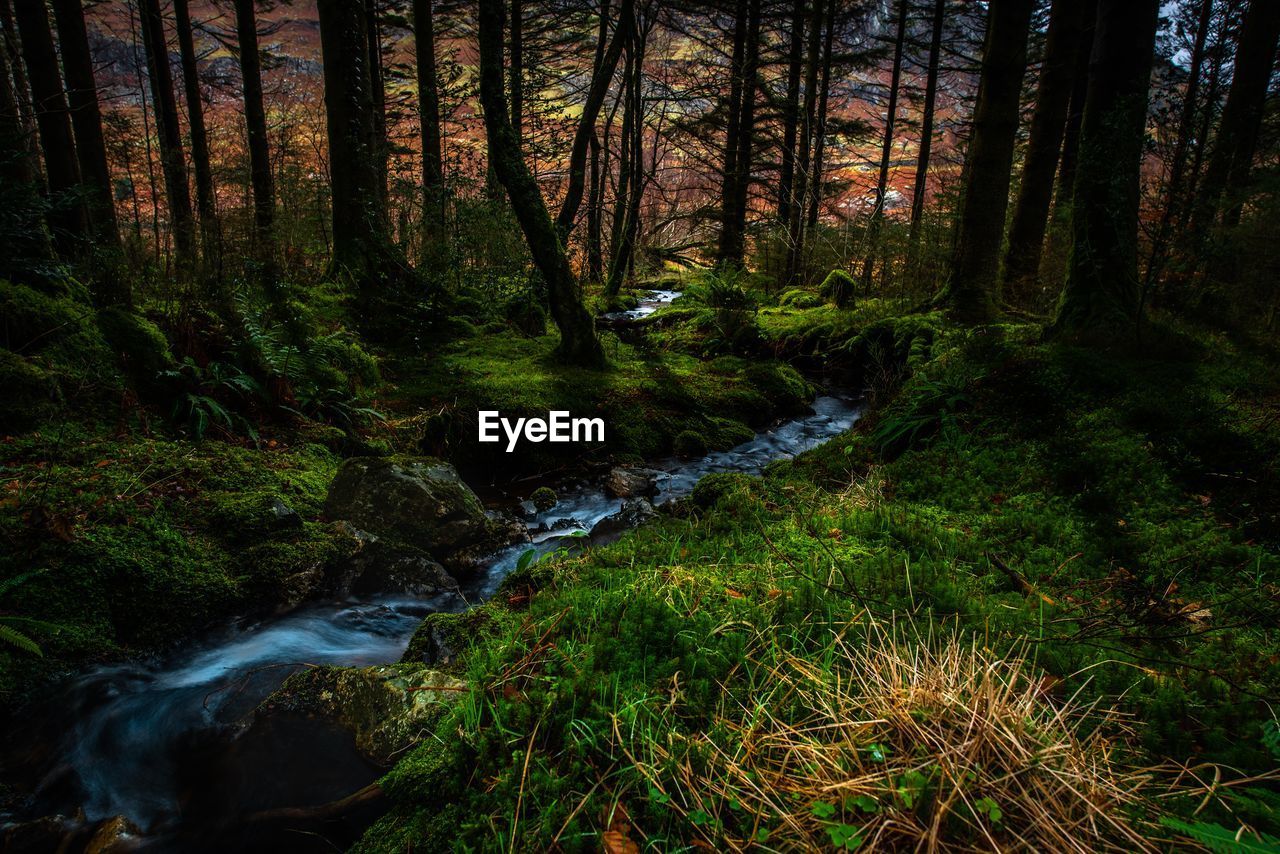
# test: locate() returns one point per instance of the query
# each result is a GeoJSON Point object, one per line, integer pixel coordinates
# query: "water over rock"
{"type": "Point", "coordinates": [634, 512]}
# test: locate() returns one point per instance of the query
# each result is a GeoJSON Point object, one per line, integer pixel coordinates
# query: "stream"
{"type": "Point", "coordinates": [162, 742]}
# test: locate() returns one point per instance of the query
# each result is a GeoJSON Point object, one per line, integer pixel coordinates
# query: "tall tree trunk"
{"type": "Point", "coordinates": [433, 213]}
{"type": "Point", "coordinates": [205, 202]}
{"type": "Point", "coordinates": [1201, 148]}
{"type": "Point", "coordinates": [971, 289]}
{"type": "Point", "coordinates": [86, 122]}
{"type": "Point", "coordinates": [628, 180]}
{"type": "Point", "coordinates": [1227, 174]}
{"type": "Point", "coordinates": [1035, 192]}
{"type": "Point", "coordinates": [378, 89]}
{"type": "Point", "coordinates": [26, 235]}
{"type": "Point", "coordinates": [515, 68]}
{"type": "Point", "coordinates": [1181, 150]}
{"type": "Point", "coordinates": [1101, 297]}
{"type": "Point", "coordinates": [53, 119]}
{"type": "Point", "coordinates": [172, 159]}
{"type": "Point", "coordinates": [737, 177]}
{"type": "Point", "coordinates": [363, 254]}
{"type": "Point", "coordinates": [791, 114]}
{"type": "Point", "coordinates": [595, 216]}
{"type": "Point", "coordinates": [886, 150]}
{"type": "Point", "coordinates": [926, 124]}
{"type": "Point", "coordinates": [21, 91]}
{"type": "Point", "coordinates": [820, 119]}
{"type": "Point", "coordinates": [804, 156]}
{"type": "Point", "coordinates": [255, 116]}
{"type": "Point", "coordinates": [601, 77]}
{"type": "Point", "coordinates": [578, 342]}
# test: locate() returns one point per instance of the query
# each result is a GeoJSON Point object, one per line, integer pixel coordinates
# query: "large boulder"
{"type": "Point", "coordinates": [629, 483]}
{"type": "Point", "coordinates": [417, 500]}
{"type": "Point", "coordinates": [386, 707]}
{"type": "Point", "coordinates": [379, 566]}
{"type": "Point", "coordinates": [634, 513]}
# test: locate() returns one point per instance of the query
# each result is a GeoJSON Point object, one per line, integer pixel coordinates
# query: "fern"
{"type": "Point", "coordinates": [1222, 840]}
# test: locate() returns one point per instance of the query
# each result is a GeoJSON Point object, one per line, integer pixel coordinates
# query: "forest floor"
{"type": "Point", "coordinates": [1032, 584]}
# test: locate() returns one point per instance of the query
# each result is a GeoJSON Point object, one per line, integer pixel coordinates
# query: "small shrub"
{"type": "Point", "coordinates": [690, 443]}
{"type": "Point", "coordinates": [838, 287]}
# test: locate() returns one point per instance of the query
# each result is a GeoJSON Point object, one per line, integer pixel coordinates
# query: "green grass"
{"type": "Point", "coordinates": [1108, 517]}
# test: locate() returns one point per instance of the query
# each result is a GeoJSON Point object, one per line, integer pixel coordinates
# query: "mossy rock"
{"type": "Point", "coordinates": [386, 708]}
{"type": "Point", "coordinates": [720, 487]}
{"type": "Point", "coordinates": [418, 500]}
{"type": "Point", "coordinates": [782, 384]}
{"type": "Point", "coordinates": [31, 320]}
{"type": "Point", "coordinates": [838, 287]}
{"type": "Point", "coordinates": [443, 639]}
{"type": "Point", "coordinates": [798, 298]}
{"type": "Point", "coordinates": [729, 432]}
{"type": "Point", "coordinates": [138, 343]}
{"type": "Point", "coordinates": [544, 498]}
{"type": "Point", "coordinates": [249, 517]}
{"type": "Point", "coordinates": [690, 443]}
{"type": "Point", "coordinates": [29, 393]}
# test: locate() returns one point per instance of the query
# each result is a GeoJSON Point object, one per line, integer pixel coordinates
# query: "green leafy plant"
{"type": "Point", "coordinates": [1222, 840]}
{"type": "Point", "coordinates": [10, 634]}
{"type": "Point", "coordinates": [926, 407]}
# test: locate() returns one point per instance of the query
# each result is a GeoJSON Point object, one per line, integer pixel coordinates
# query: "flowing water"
{"type": "Point", "coordinates": [161, 742]}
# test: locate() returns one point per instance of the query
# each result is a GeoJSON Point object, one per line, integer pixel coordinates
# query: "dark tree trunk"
{"type": "Point", "coordinates": [172, 159]}
{"type": "Point", "coordinates": [515, 68]}
{"type": "Point", "coordinates": [737, 179]}
{"type": "Point", "coordinates": [595, 216]}
{"type": "Point", "coordinates": [26, 234]}
{"type": "Point", "coordinates": [378, 89]}
{"type": "Point", "coordinates": [1182, 148]}
{"type": "Point", "coordinates": [1075, 112]}
{"type": "Point", "coordinates": [363, 254]}
{"type": "Point", "coordinates": [791, 114]}
{"type": "Point", "coordinates": [205, 202]}
{"type": "Point", "coordinates": [886, 150]}
{"type": "Point", "coordinates": [433, 214]}
{"type": "Point", "coordinates": [804, 158]}
{"type": "Point", "coordinates": [264, 194]}
{"type": "Point", "coordinates": [1227, 174]}
{"type": "Point", "coordinates": [733, 118]}
{"type": "Point", "coordinates": [976, 257]}
{"type": "Point", "coordinates": [1201, 148]}
{"type": "Point", "coordinates": [578, 342]}
{"type": "Point", "coordinates": [629, 179]}
{"type": "Point", "coordinates": [820, 121]}
{"type": "Point", "coordinates": [596, 94]}
{"type": "Point", "coordinates": [1035, 193]}
{"type": "Point", "coordinates": [1101, 297]}
{"type": "Point", "coordinates": [926, 124]}
{"type": "Point", "coordinates": [21, 91]}
{"type": "Point", "coordinates": [86, 121]}
{"type": "Point", "coordinates": [53, 119]}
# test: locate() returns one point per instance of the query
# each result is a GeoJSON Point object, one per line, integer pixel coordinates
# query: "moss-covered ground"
{"type": "Point", "coordinates": [1108, 518]}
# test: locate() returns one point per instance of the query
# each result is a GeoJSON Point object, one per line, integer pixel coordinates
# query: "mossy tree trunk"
{"type": "Point", "coordinates": [260, 175]}
{"type": "Point", "coordinates": [578, 342]}
{"type": "Point", "coordinates": [173, 160]}
{"type": "Point", "coordinates": [433, 198]}
{"type": "Point", "coordinates": [53, 120]}
{"type": "Point", "coordinates": [1020, 272]}
{"type": "Point", "coordinates": [1101, 297]}
{"type": "Point", "coordinates": [971, 291]}
{"type": "Point", "coordinates": [86, 122]}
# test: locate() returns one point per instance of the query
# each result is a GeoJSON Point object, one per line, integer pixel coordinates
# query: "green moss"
{"type": "Point", "coordinates": [443, 640]}
{"type": "Point", "coordinates": [837, 286]}
{"type": "Point", "coordinates": [690, 443]}
{"type": "Point", "coordinates": [544, 498]}
{"type": "Point", "coordinates": [32, 320]}
{"type": "Point", "coordinates": [29, 393]}
{"type": "Point", "coordinates": [797, 298]}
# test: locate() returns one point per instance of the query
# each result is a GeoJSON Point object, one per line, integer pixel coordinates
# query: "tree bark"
{"type": "Point", "coordinates": [205, 201]}
{"type": "Point", "coordinates": [804, 158]}
{"type": "Point", "coordinates": [971, 289]}
{"type": "Point", "coordinates": [791, 114]}
{"type": "Point", "coordinates": [601, 77]}
{"type": "Point", "coordinates": [820, 121]}
{"type": "Point", "coordinates": [595, 216]}
{"type": "Point", "coordinates": [378, 89]}
{"type": "Point", "coordinates": [737, 178]}
{"type": "Point", "coordinates": [926, 124]}
{"type": "Point", "coordinates": [1035, 192]}
{"type": "Point", "coordinates": [86, 120]}
{"type": "Point", "coordinates": [260, 174]}
{"type": "Point", "coordinates": [172, 158]}
{"type": "Point", "coordinates": [362, 251]}
{"type": "Point", "coordinates": [578, 342]}
{"type": "Point", "coordinates": [433, 213]}
{"type": "Point", "coordinates": [21, 91]}
{"type": "Point", "coordinates": [515, 68]}
{"type": "Point", "coordinates": [27, 237]}
{"type": "Point", "coordinates": [53, 120]}
{"type": "Point", "coordinates": [1101, 296]}
{"type": "Point", "coordinates": [886, 150]}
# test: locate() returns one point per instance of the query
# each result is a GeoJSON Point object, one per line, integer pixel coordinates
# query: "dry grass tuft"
{"type": "Point", "coordinates": [925, 744]}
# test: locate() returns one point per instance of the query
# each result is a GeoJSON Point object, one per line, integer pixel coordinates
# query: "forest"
{"type": "Point", "coordinates": [639, 425]}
